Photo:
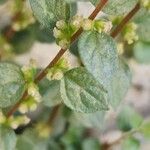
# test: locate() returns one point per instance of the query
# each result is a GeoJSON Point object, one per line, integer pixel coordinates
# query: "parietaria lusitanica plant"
{"type": "Point", "coordinates": [61, 93]}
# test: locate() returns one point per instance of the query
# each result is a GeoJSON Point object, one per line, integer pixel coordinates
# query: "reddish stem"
{"type": "Point", "coordinates": [126, 19]}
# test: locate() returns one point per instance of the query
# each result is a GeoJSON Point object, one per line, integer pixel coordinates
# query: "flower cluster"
{"type": "Point", "coordinates": [129, 33]}
{"type": "Point", "coordinates": [28, 105]}
{"type": "Point", "coordinates": [65, 30]}
{"type": "Point", "coordinates": [146, 4]}
{"type": "Point", "coordinates": [29, 72]}
{"type": "Point", "coordinates": [24, 15]}
{"type": "Point", "coordinates": [56, 72]}
{"type": "Point", "coordinates": [12, 121]}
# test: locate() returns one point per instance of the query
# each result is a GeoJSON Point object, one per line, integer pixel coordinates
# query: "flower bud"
{"type": "Point", "coordinates": [23, 108]}
{"type": "Point", "coordinates": [107, 26]}
{"type": "Point", "coordinates": [130, 33]}
{"type": "Point", "coordinates": [49, 75]}
{"type": "Point", "coordinates": [77, 21]}
{"type": "Point", "coordinates": [57, 33]}
{"type": "Point", "coordinates": [33, 91]}
{"type": "Point", "coordinates": [99, 25]}
{"type": "Point", "coordinates": [57, 75]}
{"type": "Point", "coordinates": [61, 24]}
{"type": "Point", "coordinates": [87, 24]}
{"type": "Point", "coordinates": [63, 62]}
{"type": "Point", "coordinates": [29, 70]}
{"type": "Point", "coordinates": [64, 43]}
{"type": "Point", "coordinates": [146, 3]}
{"type": "Point", "coordinates": [33, 107]}
{"type": "Point", "coordinates": [37, 97]}
{"type": "Point", "coordinates": [15, 122]}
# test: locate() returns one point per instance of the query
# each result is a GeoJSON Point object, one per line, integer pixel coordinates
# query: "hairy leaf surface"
{"type": "Point", "coordinates": [12, 84]}
{"type": "Point", "coordinates": [82, 93]}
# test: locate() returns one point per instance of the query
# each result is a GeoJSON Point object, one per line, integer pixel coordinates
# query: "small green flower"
{"type": "Point", "coordinates": [28, 105]}
{"type": "Point", "coordinates": [61, 24]}
{"type": "Point", "coordinates": [15, 122]}
{"type": "Point", "coordinates": [64, 43]}
{"type": "Point", "coordinates": [57, 33]}
{"type": "Point", "coordinates": [34, 92]}
{"type": "Point", "coordinates": [146, 4]}
{"type": "Point", "coordinates": [87, 24]}
{"type": "Point", "coordinates": [30, 70]}
{"type": "Point", "coordinates": [129, 33]}
{"type": "Point", "coordinates": [57, 75]}
{"type": "Point", "coordinates": [77, 21]}
{"type": "Point", "coordinates": [99, 25]}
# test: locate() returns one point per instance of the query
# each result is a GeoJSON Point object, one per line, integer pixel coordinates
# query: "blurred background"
{"type": "Point", "coordinates": [22, 38]}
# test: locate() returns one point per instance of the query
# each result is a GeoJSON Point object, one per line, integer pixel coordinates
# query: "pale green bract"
{"type": "Point", "coordinates": [117, 7]}
{"type": "Point", "coordinates": [8, 139]}
{"type": "Point", "coordinates": [12, 84]}
{"type": "Point", "coordinates": [48, 12]}
{"type": "Point", "coordinates": [82, 93]}
{"type": "Point", "coordinates": [98, 53]}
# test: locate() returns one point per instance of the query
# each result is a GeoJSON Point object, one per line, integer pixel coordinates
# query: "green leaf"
{"type": "Point", "coordinates": [82, 93]}
{"type": "Point", "coordinates": [48, 12]}
{"type": "Point", "coordinates": [131, 144]}
{"type": "Point", "coordinates": [31, 141]}
{"type": "Point", "coordinates": [91, 120]}
{"type": "Point", "coordinates": [99, 55]}
{"type": "Point", "coordinates": [8, 139]}
{"type": "Point", "coordinates": [90, 144]}
{"type": "Point", "coordinates": [142, 52]}
{"type": "Point", "coordinates": [128, 119]}
{"type": "Point", "coordinates": [117, 7]}
{"type": "Point", "coordinates": [12, 84]}
{"type": "Point", "coordinates": [51, 95]}
{"type": "Point", "coordinates": [43, 35]}
{"type": "Point", "coordinates": [145, 129]}
{"type": "Point", "coordinates": [120, 83]}
{"type": "Point", "coordinates": [74, 48]}
{"type": "Point", "coordinates": [22, 41]}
